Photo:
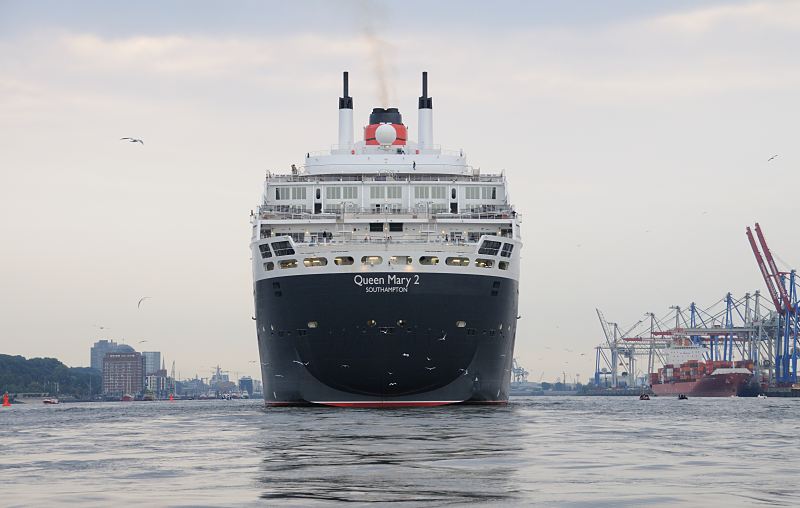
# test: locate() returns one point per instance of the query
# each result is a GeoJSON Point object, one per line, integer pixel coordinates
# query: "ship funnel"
{"type": "Point", "coordinates": [345, 116]}
{"type": "Point", "coordinates": [425, 116]}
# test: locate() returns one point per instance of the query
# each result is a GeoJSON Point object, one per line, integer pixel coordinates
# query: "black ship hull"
{"type": "Point", "coordinates": [386, 339]}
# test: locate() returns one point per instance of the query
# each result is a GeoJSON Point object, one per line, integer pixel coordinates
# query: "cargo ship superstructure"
{"type": "Point", "coordinates": [686, 373]}
{"type": "Point", "coordinates": [386, 272]}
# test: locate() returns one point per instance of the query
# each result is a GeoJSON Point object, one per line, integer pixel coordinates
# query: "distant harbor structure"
{"type": "Point", "coordinates": [102, 347]}
{"type": "Point", "coordinates": [122, 374]}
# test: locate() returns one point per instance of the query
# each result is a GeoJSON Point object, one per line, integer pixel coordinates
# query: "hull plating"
{"type": "Point", "coordinates": [386, 339]}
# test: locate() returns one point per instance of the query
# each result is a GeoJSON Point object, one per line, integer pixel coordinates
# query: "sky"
{"type": "Point", "coordinates": [634, 135]}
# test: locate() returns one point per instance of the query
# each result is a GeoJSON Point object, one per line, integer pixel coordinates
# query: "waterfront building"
{"type": "Point", "coordinates": [122, 373]}
{"type": "Point", "coordinates": [102, 347]}
{"type": "Point", "coordinates": [152, 361]}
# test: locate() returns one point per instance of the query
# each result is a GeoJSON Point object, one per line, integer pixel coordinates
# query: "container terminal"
{"type": "Point", "coordinates": [739, 345]}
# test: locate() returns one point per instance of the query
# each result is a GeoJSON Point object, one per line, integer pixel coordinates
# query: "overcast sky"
{"type": "Point", "coordinates": [635, 137]}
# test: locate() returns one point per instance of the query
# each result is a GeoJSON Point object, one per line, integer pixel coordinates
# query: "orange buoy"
{"type": "Point", "coordinates": [171, 398]}
{"type": "Point", "coordinates": [6, 402]}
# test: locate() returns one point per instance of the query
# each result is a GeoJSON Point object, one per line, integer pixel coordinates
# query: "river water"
{"type": "Point", "coordinates": [565, 451]}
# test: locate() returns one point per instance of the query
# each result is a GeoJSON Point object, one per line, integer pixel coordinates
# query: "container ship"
{"type": "Point", "coordinates": [386, 272]}
{"type": "Point", "coordinates": [703, 379]}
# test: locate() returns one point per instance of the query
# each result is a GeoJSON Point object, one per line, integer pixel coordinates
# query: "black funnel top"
{"type": "Point", "coordinates": [345, 101]}
{"type": "Point", "coordinates": [388, 115]}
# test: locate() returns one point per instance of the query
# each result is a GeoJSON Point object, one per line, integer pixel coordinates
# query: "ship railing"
{"type": "Point", "coordinates": [490, 212]}
{"type": "Point", "coordinates": [388, 240]}
{"type": "Point", "coordinates": [390, 176]}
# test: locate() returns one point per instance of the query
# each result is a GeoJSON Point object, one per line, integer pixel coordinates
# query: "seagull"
{"type": "Point", "coordinates": [392, 384]}
{"type": "Point", "coordinates": [390, 373]}
{"type": "Point", "coordinates": [278, 375]}
{"type": "Point", "coordinates": [344, 366]}
{"type": "Point", "coordinates": [138, 305]}
{"type": "Point", "coordinates": [519, 317]}
{"type": "Point", "coordinates": [299, 362]}
{"type": "Point", "coordinates": [406, 355]}
{"type": "Point", "coordinates": [251, 317]}
{"type": "Point", "coordinates": [443, 337]}
{"type": "Point", "coordinates": [428, 358]}
{"type": "Point", "coordinates": [385, 331]}
{"type": "Point", "coordinates": [132, 140]}
{"type": "Point", "coordinates": [770, 159]}
{"type": "Point", "coordinates": [430, 368]}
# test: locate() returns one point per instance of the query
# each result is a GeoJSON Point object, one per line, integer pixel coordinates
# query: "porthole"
{"type": "Point", "coordinates": [312, 262]}
{"type": "Point", "coordinates": [371, 323]}
{"type": "Point", "coordinates": [371, 260]}
{"type": "Point", "coordinates": [312, 324]}
{"type": "Point", "coordinates": [461, 324]}
{"type": "Point", "coordinates": [429, 260]}
{"type": "Point", "coordinates": [503, 265]}
{"type": "Point", "coordinates": [343, 260]}
{"type": "Point", "coordinates": [269, 265]}
{"type": "Point", "coordinates": [400, 260]}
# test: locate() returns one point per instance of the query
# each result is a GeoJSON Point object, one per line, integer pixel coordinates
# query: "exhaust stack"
{"type": "Point", "coordinates": [345, 117]}
{"type": "Point", "coordinates": [425, 116]}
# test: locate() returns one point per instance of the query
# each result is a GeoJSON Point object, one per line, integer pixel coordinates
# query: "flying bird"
{"type": "Point", "coordinates": [344, 366]}
{"type": "Point", "coordinates": [299, 362]}
{"type": "Point", "coordinates": [430, 368]}
{"type": "Point", "coordinates": [406, 355]}
{"type": "Point", "coordinates": [132, 140]}
{"type": "Point", "coordinates": [138, 305]}
{"type": "Point", "coordinates": [392, 384]}
{"type": "Point", "coordinates": [773, 157]}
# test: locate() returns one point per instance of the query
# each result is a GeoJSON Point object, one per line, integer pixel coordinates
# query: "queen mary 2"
{"type": "Point", "coordinates": [386, 272]}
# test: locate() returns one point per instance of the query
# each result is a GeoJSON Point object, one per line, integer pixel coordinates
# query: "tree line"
{"type": "Point", "coordinates": [47, 375]}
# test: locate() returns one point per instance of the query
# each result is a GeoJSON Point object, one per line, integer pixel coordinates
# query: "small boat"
{"type": "Point", "coordinates": [127, 398]}
{"type": "Point", "coordinates": [644, 396]}
{"type": "Point", "coordinates": [682, 396]}
{"type": "Point", "coordinates": [761, 396]}
{"type": "Point", "coordinates": [50, 401]}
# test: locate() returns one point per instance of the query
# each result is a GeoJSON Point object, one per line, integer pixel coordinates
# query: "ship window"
{"type": "Point", "coordinates": [507, 248]}
{"type": "Point", "coordinates": [457, 261]}
{"type": "Point", "coordinates": [400, 260]}
{"type": "Point", "coordinates": [283, 248]}
{"type": "Point", "coordinates": [394, 192]}
{"type": "Point", "coordinates": [269, 265]}
{"type": "Point", "coordinates": [371, 260]}
{"type": "Point", "coordinates": [421, 192]}
{"type": "Point", "coordinates": [473, 192]}
{"type": "Point", "coordinates": [343, 260]}
{"type": "Point", "coordinates": [333, 193]}
{"type": "Point", "coordinates": [265, 252]}
{"type": "Point", "coordinates": [395, 227]}
{"type": "Point", "coordinates": [461, 324]}
{"type": "Point", "coordinates": [438, 192]}
{"type": "Point", "coordinates": [298, 193]}
{"type": "Point", "coordinates": [288, 263]}
{"type": "Point", "coordinates": [429, 260]}
{"type": "Point", "coordinates": [453, 193]}
{"type": "Point", "coordinates": [488, 192]}
{"type": "Point", "coordinates": [312, 324]}
{"type": "Point", "coordinates": [266, 232]}
{"type": "Point", "coordinates": [282, 193]}
{"type": "Point", "coordinates": [503, 265]}
{"type": "Point", "coordinates": [376, 227]}
{"type": "Point", "coordinates": [371, 322]}
{"type": "Point", "coordinates": [507, 232]}
{"type": "Point", "coordinates": [489, 247]}
{"type": "Point", "coordinates": [349, 192]}
{"type": "Point", "coordinates": [484, 263]}
{"type": "Point", "coordinates": [315, 262]}
{"type": "Point", "coordinates": [377, 192]}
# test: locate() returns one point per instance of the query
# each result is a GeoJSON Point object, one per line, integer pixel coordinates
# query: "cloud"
{"type": "Point", "coordinates": [775, 14]}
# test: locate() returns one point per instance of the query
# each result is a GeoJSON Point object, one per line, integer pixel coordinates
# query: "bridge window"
{"type": "Point", "coordinates": [507, 248]}
{"type": "Point", "coordinates": [421, 192]}
{"type": "Point", "coordinates": [269, 265]}
{"type": "Point", "coordinates": [283, 248]}
{"type": "Point", "coordinates": [457, 261]}
{"type": "Point", "coordinates": [282, 193]}
{"type": "Point", "coordinates": [396, 227]}
{"type": "Point", "coordinates": [377, 192]}
{"type": "Point", "coordinates": [489, 247]}
{"type": "Point", "coordinates": [473, 192]}
{"type": "Point", "coordinates": [288, 263]}
{"type": "Point", "coordinates": [503, 265]}
{"type": "Point", "coordinates": [484, 263]}
{"type": "Point", "coordinates": [265, 252]}
{"type": "Point", "coordinates": [429, 260]}
{"type": "Point", "coordinates": [438, 192]}
{"type": "Point", "coordinates": [394, 192]}
{"type": "Point", "coordinates": [333, 193]}
{"type": "Point", "coordinates": [376, 227]}
{"type": "Point", "coordinates": [312, 262]}
{"type": "Point", "coordinates": [298, 193]}
{"type": "Point", "coordinates": [349, 192]}
{"type": "Point", "coordinates": [343, 260]}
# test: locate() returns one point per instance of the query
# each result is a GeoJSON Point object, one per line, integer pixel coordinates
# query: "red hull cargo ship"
{"type": "Point", "coordinates": [703, 379]}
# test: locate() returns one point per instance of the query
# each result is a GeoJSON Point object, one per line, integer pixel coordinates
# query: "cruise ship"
{"type": "Point", "coordinates": [386, 272]}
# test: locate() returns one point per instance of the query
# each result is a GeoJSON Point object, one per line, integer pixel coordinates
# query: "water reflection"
{"type": "Point", "coordinates": [413, 456]}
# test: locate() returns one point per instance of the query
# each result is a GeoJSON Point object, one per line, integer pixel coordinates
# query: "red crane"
{"type": "Point", "coordinates": [773, 280]}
